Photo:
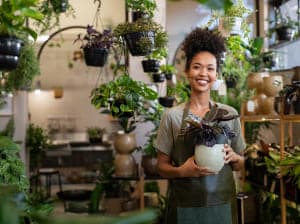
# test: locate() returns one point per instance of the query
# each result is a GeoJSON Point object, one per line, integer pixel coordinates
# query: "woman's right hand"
{"type": "Point", "coordinates": [191, 169]}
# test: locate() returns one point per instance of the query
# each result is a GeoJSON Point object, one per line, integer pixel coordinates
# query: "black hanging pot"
{"type": "Point", "coordinates": [140, 43]}
{"type": "Point", "coordinates": [95, 56]}
{"type": "Point", "coordinates": [284, 33]}
{"type": "Point", "coordinates": [169, 76]}
{"type": "Point", "coordinates": [151, 65]}
{"type": "Point", "coordinates": [230, 82]}
{"type": "Point", "coordinates": [60, 6]}
{"type": "Point", "coordinates": [135, 15]}
{"type": "Point", "coordinates": [166, 101]}
{"type": "Point", "coordinates": [276, 3]}
{"type": "Point", "coordinates": [158, 77]}
{"type": "Point", "coordinates": [10, 48]}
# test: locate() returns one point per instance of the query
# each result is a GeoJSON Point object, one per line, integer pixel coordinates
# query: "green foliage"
{"type": "Point", "coordinates": [51, 11]}
{"type": "Point", "coordinates": [143, 25]}
{"type": "Point", "coordinates": [183, 91]}
{"type": "Point", "coordinates": [95, 132]}
{"type": "Point", "coordinates": [122, 97]}
{"type": "Point", "coordinates": [168, 69]}
{"type": "Point", "coordinates": [28, 68]}
{"type": "Point", "coordinates": [254, 53]}
{"type": "Point", "coordinates": [217, 4]}
{"type": "Point", "coordinates": [37, 142]}
{"type": "Point", "coordinates": [146, 6]}
{"type": "Point", "coordinates": [9, 129]}
{"type": "Point", "coordinates": [157, 54]}
{"type": "Point", "coordinates": [13, 16]}
{"type": "Point", "coordinates": [291, 166]}
{"type": "Point", "coordinates": [12, 170]}
{"type": "Point", "coordinates": [151, 186]}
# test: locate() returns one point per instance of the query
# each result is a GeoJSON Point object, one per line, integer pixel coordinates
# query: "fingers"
{"type": "Point", "coordinates": [229, 154]}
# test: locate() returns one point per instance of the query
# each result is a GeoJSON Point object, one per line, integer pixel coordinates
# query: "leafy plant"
{"type": "Point", "coordinates": [254, 53]}
{"type": "Point", "coordinates": [37, 142]}
{"type": "Point", "coordinates": [28, 68]}
{"type": "Point", "coordinates": [145, 6]}
{"type": "Point", "coordinates": [208, 131]}
{"type": "Point", "coordinates": [95, 133]}
{"type": "Point", "coordinates": [157, 54]}
{"type": "Point", "coordinates": [52, 10]}
{"type": "Point", "coordinates": [168, 69]}
{"type": "Point", "coordinates": [143, 25]}
{"type": "Point", "coordinates": [96, 39]}
{"type": "Point", "coordinates": [12, 170]}
{"type": "Point", "coordinates": [13, 16]}
{"type": "Point", "coordinates": [122, 97]}
{"type": "Point", "coordinates": [9, 129]}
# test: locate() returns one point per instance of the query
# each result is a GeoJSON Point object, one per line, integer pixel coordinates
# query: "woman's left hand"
{"type": "Point", "coordinates": [230, 155]}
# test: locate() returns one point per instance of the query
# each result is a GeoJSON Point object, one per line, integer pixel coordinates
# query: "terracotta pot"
{"type": "Point", "coordinates": [267, 106]}
{"type": "Point", "coordinates": [149, 164]}
{"type": "Point", "coordinates": [255, 80]}
{"type": "Point", "coordinates": [125, 165]}
{"type": "Point", "coordinates": [260, 100]}
{"type": "Point", "coordinates": [211, 157]}
{"type": "Point", "coordinates": [125, 143]}
{"type": "Point", "coordinates": [272, 85]}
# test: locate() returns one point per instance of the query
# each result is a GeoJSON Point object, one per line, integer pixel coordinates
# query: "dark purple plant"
{"type": "Point", "coordinates": [206, 131]}
{"type": "Point", "coordinates": [96, 39]}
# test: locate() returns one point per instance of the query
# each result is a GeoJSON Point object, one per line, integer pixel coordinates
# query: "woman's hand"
{"type": "Point", "coordinates": [232, 158]}
{"type": "Point", "coordinates": [191, 169]}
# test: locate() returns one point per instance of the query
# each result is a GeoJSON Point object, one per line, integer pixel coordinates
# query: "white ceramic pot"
{"type": "Point", "coordinates": [211, 157]}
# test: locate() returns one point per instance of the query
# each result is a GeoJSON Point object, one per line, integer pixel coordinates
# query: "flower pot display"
{"type": "Point", "coordinates": [95, 56]}
{"type": "Point", "coordinates": [158, 77]}
{"type": "Point", "coordinates": [10, 48]}
{"type": "Point", "coordinates": [125, 165]}
{"type": "Point", "coordinates": [254, 80]}
{"type": "Point", "coordinates": [140, 43]}
{"type": "Point", "coordinates": [124, 143]}
{"type": "Point", "coordinates": [149, 164]}
{"type": "Point", "coordinates": [151, 65]}
{"type": "Point", "coordinates": [166, 101]}
{"type": "Point", "coordinates": [211, 157]}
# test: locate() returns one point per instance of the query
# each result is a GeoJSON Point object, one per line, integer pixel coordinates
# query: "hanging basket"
{"type": "Point", "coordinates": [151, 65]}
{"type": "Point", "coordinates": [10, 48]}
{"type": "Point", "coordinates": [285, 33]}
{"type": "Point", "coordinates": [140, 43]}
{"type": "Point", "coordinates": [95, 56]}
{"type": "Point", "coordinates": [60, 6]}
{"type": "Point", "coordinates": [166, 101]}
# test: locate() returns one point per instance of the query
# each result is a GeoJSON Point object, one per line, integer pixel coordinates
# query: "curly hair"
{"type": "Point", "coordinates": [202, 39]}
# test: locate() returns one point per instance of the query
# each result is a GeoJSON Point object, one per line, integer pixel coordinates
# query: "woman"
{"type": "Point", "coordinates": [196, 194]}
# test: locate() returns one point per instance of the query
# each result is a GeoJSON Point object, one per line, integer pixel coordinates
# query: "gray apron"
{"type": "Point", "coordinates": [204, 200]}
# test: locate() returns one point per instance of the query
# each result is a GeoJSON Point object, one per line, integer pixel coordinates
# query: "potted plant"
{"type": "Point", "coordinates": [209, 136]}
{"type": "Point", "coordinates": [141, 36]}
{"type": "Point", "coordinates": [96, 46]}
{"type": "Point", "coordinates": [52, 10]}
{"type": "Point", "coordinates": [13, 16]}
{"type": "Point", "coordinates": [152, 60]}
{"type": "Point", "coordinates": [27, 69]}
{"type": "Point", "coordinates": [141, 8]}
{"type": "Point", "coordinates": [168, 100]}
{"type": "Point", "coordinates": [232, 20]}
{"type": "Point", "coordinates": [95, 134]}
{"type": "Point", "coordinates": [284, 27]}
{"type": "Point", "coordinates": [168, 70]}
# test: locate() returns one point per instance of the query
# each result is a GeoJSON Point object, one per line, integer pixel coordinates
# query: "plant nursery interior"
{"type": "Point", "coordinates": [84, 85]}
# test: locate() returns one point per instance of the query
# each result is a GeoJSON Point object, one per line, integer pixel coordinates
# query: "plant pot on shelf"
{"type": "Point", "coordinates": [284, 33]}
{"type": "Point", "coordinates": [158, 77]}
{"type": "Point", "coordinates": [169, 76]}
{"type": "Point", "coordinates": [125, 143]}
{"type": "Point", "coordinates": [151, 65]}
{"type": "Point", "coordinates": [140, 43]}
{"type": "Point", "coordinates": [296, 105]}
{"type": "Point", "coordinates": [10, 49]}
{"type": "Point", "coordinates": [166, 101]}
{"type": "Point", "coordinates": [149, 164]}
{"type": "Point", "coordinates": [95, 56]}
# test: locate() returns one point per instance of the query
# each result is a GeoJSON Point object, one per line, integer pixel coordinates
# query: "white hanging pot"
{"type": "Point", "coordinates": [210, 157]}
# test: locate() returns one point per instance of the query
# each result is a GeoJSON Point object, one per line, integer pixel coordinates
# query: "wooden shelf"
{"type": "Point", "coordinates": [264, 118]}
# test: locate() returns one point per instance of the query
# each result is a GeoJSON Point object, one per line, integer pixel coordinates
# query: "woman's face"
{"type": "Point", "coordinates": [202, 71]}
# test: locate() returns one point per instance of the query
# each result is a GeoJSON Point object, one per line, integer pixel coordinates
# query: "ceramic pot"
{"type": "Point", "coordinates": [125, 143]}
{"type": "Point", "coordinates": [149, 164]}
{"type": "Point", "coordinates": [255, 80]}
{"type": "Point", "coordinates": [259, 98]}
{"type": "Point", "coordinates": [151, 65]}
{"type": "Point", "coordinates": [125, 165]}
{"type": "Point", "coordinates": [211, 157]}
{"type": "Point", "coordinates": [267, 106]}
{"type": "Point", "coordinates": [272, 85]}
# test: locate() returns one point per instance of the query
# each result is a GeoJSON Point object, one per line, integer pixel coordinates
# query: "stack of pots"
{"type": "Point", "coordinates": [125, 144]}
{"type": "Point", "coordinates": [266, 88]}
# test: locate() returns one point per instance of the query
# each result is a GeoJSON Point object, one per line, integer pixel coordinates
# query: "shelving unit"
{"type": "Point", "coordinates": [283, 120]}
